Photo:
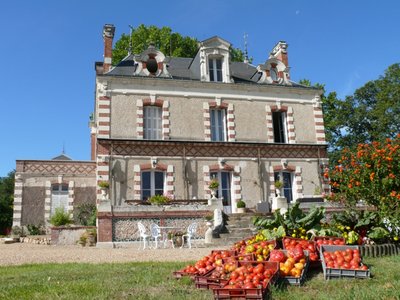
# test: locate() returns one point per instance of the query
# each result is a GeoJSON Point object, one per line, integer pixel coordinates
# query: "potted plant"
{"type": "Point", "coordinates": [159, 200]}
{"type": "Point", "coordinates": [278, 186]}
{"type": "Point", "coordinates": [241, 206]}
{"type": "Point", "coordinates": [213, 186]}
{"type": "Point", "coordinates": [178, 238]}
{"type": "Point", "coordinates": [209, 217]}
{"type": "Point", "coordinates": [104, 186]}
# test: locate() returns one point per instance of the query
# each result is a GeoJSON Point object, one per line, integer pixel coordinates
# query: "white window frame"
{"type": "Point", "coordinates": [282, 122]}
{"type": "Point", "coordinates": [152, 182]}
{"type": "Point", "coordinates": [59, 193]}
{"type": "Point", "coordinates": [218, 125]}
{"type": "Point", "coordinates": [279, 176]}
{"type": "Point", "coordinates": [152, 122]}
{"type": "Point", "coordinates": [213, 71]}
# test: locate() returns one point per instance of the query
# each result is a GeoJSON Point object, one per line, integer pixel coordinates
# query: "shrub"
{"type": "Point", "coordinates": [17, 231]}
{"type": "Point", "coordinates": [35, 229]}
{"type": "Point", "coordinates": [240, 204]}
{"type": "Point", "coordinates": [85, 214]}
{"type": "Point", "coordinates": [60, 218]}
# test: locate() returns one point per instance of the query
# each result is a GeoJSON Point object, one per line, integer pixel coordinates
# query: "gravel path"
{"type": "Point", "coordinates": [24, 253]}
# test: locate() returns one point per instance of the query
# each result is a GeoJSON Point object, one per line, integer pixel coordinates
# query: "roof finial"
{"type": "Point", "coordinates": [246, 54]}
{"type": "Point", "coordinates": [63, 148]}
{"type": "Point", "coordinates": [130, 40]}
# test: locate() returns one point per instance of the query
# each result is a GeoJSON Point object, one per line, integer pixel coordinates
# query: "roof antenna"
{"type": "Point", "coordinates": [130, 40]}
{"type": "Point", "coordinates": [246, 54]}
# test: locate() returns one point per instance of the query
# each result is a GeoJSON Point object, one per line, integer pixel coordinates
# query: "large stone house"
{"type": "Point", "coordinates": [169, 125]}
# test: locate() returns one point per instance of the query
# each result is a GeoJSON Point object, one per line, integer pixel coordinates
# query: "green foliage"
{"type": "Point", "coordinates": [60, 218]}
{"type": "Point", "coordinates": [240, 204]}
{"type": "Point", "coordinates": [214, 184]}
{"type": "Point", "coordinates": [104, 184]}
{"type": "Point", "coordinates": [17, 231]}
{"type": "Point", "coordinates": [168, 42]}
{"type": "Point", "coordinates": [294, 222]}
{"type": "Point", "coordinates": [6, 201]}
{"type": "Point", "coordinates": [35, 229]}
{"type": "Point", "coordinates": [159, 200]}
{"type": "Point", "coordinates": [369, 174]}
{"type": "Point", "coordinates": [153, 280]}
{"type": "Point", "coordinates": [85, 214]}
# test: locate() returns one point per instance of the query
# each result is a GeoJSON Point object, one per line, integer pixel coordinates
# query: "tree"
{"type": "Point", "coordinates": [372, 113]}
{"type": "Point", "coordinates": [6, 201]}
{"type": "Point", "coordinates": [170, 43]}
{"type": "Point", "coordinates": [370, 173]}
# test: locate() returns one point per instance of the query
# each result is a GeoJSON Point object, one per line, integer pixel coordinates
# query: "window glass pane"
{"type": "Point", "coordinates": [219, 64]}
{"type": "Point", "coordinates": [54, 187]}
{"type": "Point", "coordinates": [278, 119]}
{"type": "Point", "coordinates": [146, 194]}
{"type": "Point", "coordinates": [64, 187]}
{"type": "Point", "coordinates": [211, 69]}
{"type": "Point", "coordinates": [152, 122]}
{"type": "Point", "coordinates": [146, 180]}
{"type": "Point", "coordinates": [159, 180]}
{"type": "Point", "coordinates": [287, 186]}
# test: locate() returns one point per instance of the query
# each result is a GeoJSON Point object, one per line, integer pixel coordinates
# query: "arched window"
{"type": "Point", "coordinates": [224, 188]}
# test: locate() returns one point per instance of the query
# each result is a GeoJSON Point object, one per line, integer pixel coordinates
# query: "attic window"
{"type": "Point", "coordinates": [215, 69]}
{"type": "Point", "coordinates": [152, 65]}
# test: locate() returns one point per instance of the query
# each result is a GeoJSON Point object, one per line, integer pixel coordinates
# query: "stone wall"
{"type": "Point", "coordinates": [33, 206]}
{"type": "Point", "coordinates": [63, 235]}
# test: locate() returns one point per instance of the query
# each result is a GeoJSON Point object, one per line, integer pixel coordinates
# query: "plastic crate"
{"type": "Point", "coordinates": [313, 263]}
{"type": "Point", "coordinates": [261, 292]}
{"type": "Point", "coordinates": [291, 280]}
{"type": "Point", "coordinates": [340, 273]}
{"type": "Point", "coordinates": [180, 274]}
{"type": "Point", "coordinates": [327, 238]}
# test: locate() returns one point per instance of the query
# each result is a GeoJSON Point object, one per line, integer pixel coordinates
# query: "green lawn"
{"type": "Point", "coordinates": [154, 281]}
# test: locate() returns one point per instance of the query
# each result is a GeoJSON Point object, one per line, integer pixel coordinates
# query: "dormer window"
{"type": "Point", "coordinates": [273, 72]}
{"type": "Point", "coordinates": [152, 65]}
{"type": "Point", "coordinates": [215, 69]}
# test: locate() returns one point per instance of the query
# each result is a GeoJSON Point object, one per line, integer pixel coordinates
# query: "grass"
{"type": "Point", "coordinates": [154, 281]}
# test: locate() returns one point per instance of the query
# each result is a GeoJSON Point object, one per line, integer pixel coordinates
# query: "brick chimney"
{"type": "Point", "coordinates": [280, 52]}
{"type": "Point", "coordinates": [108, 35]}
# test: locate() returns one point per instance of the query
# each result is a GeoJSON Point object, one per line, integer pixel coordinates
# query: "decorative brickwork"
{"type": "Point", "coordinates": [319, 121]}
{"type": "Point", "coordinates": [103, 119]}
{"type": "Point", "coordinates": [56, 167]}
{"type": "Point", "coordinates": [201, 149]}
{"type": "Point", "coordinates": [18, 188]}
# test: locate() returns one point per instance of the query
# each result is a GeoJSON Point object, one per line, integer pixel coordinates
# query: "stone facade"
{"type": "Point", "coordinates": [33, 188]}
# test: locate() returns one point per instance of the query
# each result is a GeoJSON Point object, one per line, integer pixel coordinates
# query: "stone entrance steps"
{"type": "Point", "coordinates": [240, 226]}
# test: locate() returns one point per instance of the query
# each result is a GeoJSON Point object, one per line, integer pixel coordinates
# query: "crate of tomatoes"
{"type": "Point", "coordinates": [328, 240]}
{"type": "Point", "coordinates": [204, 265]}
{"type": "Point", "coordinates": [310, 246]}
{"type": "Point", "coordinates": [219, 276]}
{"type": "Point", "coordinates": [293, 264]}
{"type": "Point", "coordinates": [260, 250]}
{"type": "Point", "coordinates": [343, 261]}
{"type": "Point", "coordinates": [250, 280]}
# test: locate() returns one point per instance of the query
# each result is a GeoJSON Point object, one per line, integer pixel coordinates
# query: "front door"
{"type": "Point", "coordinates": [224, 189]}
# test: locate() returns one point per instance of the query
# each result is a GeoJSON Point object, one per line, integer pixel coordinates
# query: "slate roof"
{"type": "Point", "coordinates": [62, 157]}
{"type": "Point", "coordinates": [179, 69]}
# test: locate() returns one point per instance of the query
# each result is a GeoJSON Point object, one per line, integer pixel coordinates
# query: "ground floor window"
{"type": "Point", "coordinates": [287, 179]}
{"type": "Point", "coordinates": [152, 183]}
{"type": "Point", "coordinates": [224, 188]}
{"type": "Point", "coordinates": [59, 197]}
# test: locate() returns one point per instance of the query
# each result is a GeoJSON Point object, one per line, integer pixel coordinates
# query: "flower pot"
{"type": "Point", "coordinates": [178, 240]}
{"type": "Point", "coordinates": [241, 210]}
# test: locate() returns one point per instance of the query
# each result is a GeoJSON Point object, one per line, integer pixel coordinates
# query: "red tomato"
{"type": "Point", "coordinates": [249, 285]}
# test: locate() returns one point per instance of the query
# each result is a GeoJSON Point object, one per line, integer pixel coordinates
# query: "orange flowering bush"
{"type": "Point", "coordinates": [370, 174]}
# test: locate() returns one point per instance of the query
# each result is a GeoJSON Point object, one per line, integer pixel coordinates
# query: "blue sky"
{"type": "Point", "coordinates": [48, 49]}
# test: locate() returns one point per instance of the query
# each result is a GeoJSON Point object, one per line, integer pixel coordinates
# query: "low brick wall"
{"type": "Point", "coordinates": [66, 235]}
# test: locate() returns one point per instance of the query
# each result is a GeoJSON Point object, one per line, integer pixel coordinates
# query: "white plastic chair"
{"type": "Point", "coordinates": [142, 235]}
{"type": "Point", "coordinates": [191, 231]}
{"type": "Point", "coordinates": [155, 232]}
